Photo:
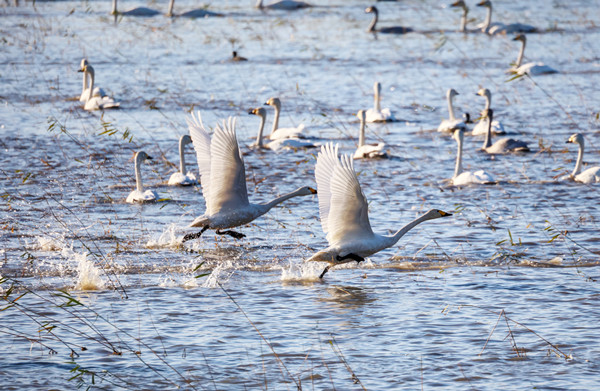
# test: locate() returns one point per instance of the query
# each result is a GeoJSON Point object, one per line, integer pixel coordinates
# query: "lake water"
{"type": "Point", "coordinates": [98, 292]}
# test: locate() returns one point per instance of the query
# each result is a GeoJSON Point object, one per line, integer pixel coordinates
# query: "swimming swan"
{"type": "Point", "coordinates": [482, 126]}
{"type": "Point", "coordinates": [590, 175]}
{"type": "Point", "coordinates": [181, 178]}
{"type": "Point", "coordinates": [385, 30]}
{"type": "Point", "coordinates": [85, 91]}
{"type": "Point", "coordinates": [345, 213]}
{"type": "Point", "coordinates": [197, 13]}
{"type": "Point", "coordinates": [463, 18]}
{"type": "Point", "coordinates": [504, 145]}
{"type": "Point", "coordinates": [139, 195]}
{"type": "Point", "coordinates": [367, 151]}
{"type": "Point", "coordinates": [96, 102]}
{"type": "Point", "coordinates": [278, 133]}
{"type": "Point", "coordinates": [285, 5]}
{"type": "Point", "coordinates": [462, 178]}
{"type": "Point", "coordinates": [279, 144]}
{"type": "Point", "coordinates": [223, 180]}
{"type": "Point", "coordinates": [449, 125]}
{"type": "Point", "coordinates": [531, 68]}
{"type": "Point", "coordinates": [500, 28]}
{"type": "Point", "coordinates": [139, 11]}
{"type": "Point", "coordinates": [376, 114]}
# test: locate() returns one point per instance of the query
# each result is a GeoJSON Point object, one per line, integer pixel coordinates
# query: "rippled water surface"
{"type": "Point", "coordinates": [100, 293]}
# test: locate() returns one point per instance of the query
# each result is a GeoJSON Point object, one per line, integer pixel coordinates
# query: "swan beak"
{"type": "Point", "coordinates": [149, 157]}
{"type": "Point", "coordinates": [80, 70]}
{"type": "Point", "coordinates": [312, 190]}
{"type": "Point", "coordinates": [482, 4]}
{"type": "Point", "coordinates": [251, 111]}
{"type": "Point", "coordinates": [445, 214]}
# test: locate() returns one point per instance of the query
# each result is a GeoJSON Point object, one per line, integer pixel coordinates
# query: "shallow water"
{"type": "Point", "coordinates": [502, 295]}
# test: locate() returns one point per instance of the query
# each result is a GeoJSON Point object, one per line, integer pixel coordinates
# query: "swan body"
{"type": "Point", "coordinates": [285, 5]}
{"type": "Point", "coordinates": [482, 126]}
{"type": "Point", "coordinates": [291, 143]}
{"type": "Point", "coordinates": [384, 30]}
{"type": "Point", "coordinates": [502, 146]}
{"type": "Point", "coordinates": [194, 14]}
{"type": "Point", "coordinates": [530, 68]}
{"type": "Point", "coordinates": [139, 195]}
{"type": "Point", "coordinates": [278, 133]}
{"type": "Point", "coordinates": [343, 209]}
{"type": "Point", "coordinates": [590, 175]}
{"type": "Point", "coordinates": [85, 90]}
{"type": "Point", "coordinates": [223, 179]}
{"type": "Point", "coordinates": [96, 102]}
{"type": "Point", "coordinates": [500, 28]}
{"type": "Point", "coordinates": [449, 125]}
{"type": "Point", "coordinates": [140, 11]}
{"type": "Point", "coordinates": [181, 177]}
{"type": "Point", "coordinates": [367, 151]}
{"type": "Point", "coordinates": [377, 114]}
{"type": "Point", "coordinates": [462, 178]}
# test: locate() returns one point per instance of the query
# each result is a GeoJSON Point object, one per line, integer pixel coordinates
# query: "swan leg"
{"type": "Point", "coordinates": [324, 271]}
{"type": "Point", "coordinates": [355, 257]}
{"type": "Point", "coordinates": [233, 234]}
{"type": "Point", "coordinates": [194, 236]}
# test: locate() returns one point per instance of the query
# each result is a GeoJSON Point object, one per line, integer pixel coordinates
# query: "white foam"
{"type": "Point", "coordinates": [47, 243]}
{"type": "Point", "coordinates": [167, 239]}
{"type": "Point", "coordinates": [302, 272]}
{"type": "Point", "coordinates": [88, 275]}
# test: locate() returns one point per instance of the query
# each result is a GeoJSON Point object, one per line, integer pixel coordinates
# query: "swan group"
{"type": "Point", "coordinates": [482, 126]}
{"type": "Point", "coordinates": [290, 143]}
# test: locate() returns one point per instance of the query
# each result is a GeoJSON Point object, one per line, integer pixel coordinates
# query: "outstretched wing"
{"type": "Point", "coordinates": [326, 162]}
{"type": "Point", "coordinates": [201, 142]}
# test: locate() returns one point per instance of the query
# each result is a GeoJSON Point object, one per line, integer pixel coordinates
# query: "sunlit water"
{"type": "Point", "coordinates": [502, 295]}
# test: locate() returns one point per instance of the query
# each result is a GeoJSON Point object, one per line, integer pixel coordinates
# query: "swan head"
{"type": "Point", "coordinates": [260, 111]}
{"type": "Point", "coordinates": [84, 62]}
{"type": "Point", "coordinates": [484, 92]}
{"type": "Point", "coordinates": [575, 138]}
{"type": "Point", "coordinates": [371, 9]}
{"type": "Point", "coordinates": [275, 102]}
{"type": "Point", "coordinates": [435, 214]}
{"type": "Point", "coordinates": [185, 139]}
{"type": "Point", "coordinates": [306, 191]}
{"type": "Point", "coordinates": [485, 3]}
{"type": "Point", "coordinates": [451, 93]}
{"type": "Point", "coordinates": [459, 3]}
{"type": "Point", "coordinates": [141, 156]}
{"type": "Point", "coordinates": [362, 115]}
{"type": "Point", "coordinates": [520, 37]}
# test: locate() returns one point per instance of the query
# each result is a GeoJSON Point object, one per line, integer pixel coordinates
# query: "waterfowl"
{"type": "Point", "coordinates": [460, 177]}
{"type": "Point", "coordinates": [194, 14]}
{"type": "Point", "coordinates": [449, 125]}
{"type": "Point", "coordinates": [85, 90]}
{"type": "Point", "coordinates": [139, 195]}
{"type": "Point", "coordinates": [278, 133]}
{"type": "Point", "coordinates": [530, 68]}
{"type": "Point", "coordinates": [463, 18]}
{"type": "Point", "coordinates": [96, 102]}
{"type": "Point", "coordinates": [344, 213]}
{"type": "Point", "coordinates": [284, 5]}
{"type": "Point", "coordinates": [504, 145]}
{"type": "Point", "coordinates": [139, 11]}
{"type": "Point", "coordinates": [376, 114]}
{"type": "Point", "coordinates": [292, 143]}
{"type": "Point", "coordinates": [367, 151]}
{"type": "Point", "coordinates": [482, 126]}
{"type": "Point", "coordinates": [384, 30]}
{"type": "Point", "coordinates": [236, 58]}
{"type": "Point", "coordinates": [500, 28]}
{"type": "Point", "coordinates": [590, 175]}
{"type": "Point", "coordinates": [181, 177]}
{"type": "Point", "coordinates": [223, 180]}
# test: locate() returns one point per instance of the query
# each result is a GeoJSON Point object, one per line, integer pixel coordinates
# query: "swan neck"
{"type": "Point", "coordinates": [488, 19]}
{"type": "Point", "coordinates": [259, 137]}
{"type": "Point", "coordinates": [276, 119]}
{"type": "Point", "coordinates": [377, 101]}
{"type": "Point", "coordinates": [170, 10]}
{"type": "Point", "coordinates": [181, 156]}
{"type": "Point", "coordinates": [521, 54]}
{"type": "Point", "coordinates": [451, 108]}
{"type": "Point", "coordinates": [488, 101]}
{"type": "Point", "coordinates": [114, 7]}
{"type": "Point", "coordinates": [259, 4]}
{"type": "Point", "coordinates": [463, 20]}
{"type": "Point", "coordinates": [407, 228]}
{"type": "Point", "coordinates": [138, 174]}
{"type": "Point", "coordinates": [488, 135]}
{"type": "Point", "coordinates": [84, 87]}
{"type": "Point", "coordinates": [361, 135]}
{"type": "Point", "coordinates": [90, 72]}
{"type": "Point", "coordinates": [268, 206]}
{"type": "Point", "coordinates": [458, 167]}
{"type": "Point", "coordinates": [579, 160]}
{"type": "Point", "coordinates": [373, 22]}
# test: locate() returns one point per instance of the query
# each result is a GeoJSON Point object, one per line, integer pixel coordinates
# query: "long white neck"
{"type": "Point", "coordinates": [276, 119]}
{"type": "Point", "coordinates": [394, 238]}
{"type": "Point", "coordinates": [451, 108]}
{"type": "Point", "coordinates": [114, 8]}
{"type": "Point", "coordinates": [90, 72]}
{"type": "Point", "coordinates": [579, 159]}
{"type": "Point", "coordinates": [264, 208]}
{"type": "Point", "coordinates": [259, 137]}
{"type": "Point", "coordinates": [170, 10]}
{"type": "Point", "coordinates": [463, 20]}
{"type": "Point", "coordinates": [138, 173]}
{"type": "Point", "coordinates": [521, 54]}
{"type": "Point", "coordinates": [361, 135]}
{"type": "Point", "coordinates": [488, 101]}
{"type": "Point", "coordinates": [488, 136]}
{"type": "Point", "coordinates": [259, 4]}
{"type": "Point", "coordinates": [182, 143]}
{"type": "Point", "coordinates": [458, 167]}
{"type": "Point", "coordinates": [377, 98]}
{"type": "Point", "coordinates": [488, 19]}
{"type": "Point", "coordinates": [373, 22]}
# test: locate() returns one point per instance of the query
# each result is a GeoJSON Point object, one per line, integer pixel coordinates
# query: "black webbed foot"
{"type": "Point", "coordinates": [324, 271]}
{"type": "Point", "coordinates": [195, 235]}
{"type": "Point", "coordinates": [233, 234]}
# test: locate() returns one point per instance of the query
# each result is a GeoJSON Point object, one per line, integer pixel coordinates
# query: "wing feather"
{"type": "Point", "coordinates": [326, 162]}
{"type": "Point", "coordinates": [201, 142]}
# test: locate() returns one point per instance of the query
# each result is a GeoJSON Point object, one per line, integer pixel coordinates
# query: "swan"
{"type": "Point", "coordinates": [385, 30]}
{"type": "Point", "coordinates": [139, 11]}
{"type": "Point", "coordinates": [223, 180]}
{"type": "Point", "coordinates": [376, 114]}
{"type": "Point", "coordinates": [96, 102]}
{"type": "Point", "coordinates": [449, 125]}
{"type": "Point", "coordinates": [278, 133]}
{"type": "Point", "coordinates": [504, 145]}
{"type": "Point", "coordinates": [279, 144]}
{"type": "Point", "coordinates": [139, 195]}
{"type": "Point", "coordinates": [531, 68]}
{"type": "Point", "coordinates": [285, 5]}
{"type": "Point", "coordinates": [463, 18]}
{"type": "Point", "coordinates": [500, 28]}
{"type": "Point", "coordinates": [366, 151]}
{"type": "Point", "coordinates": [197, 13]}
{"type": "Point", "coordinates": [181, 178]}
{"type": "Point", "coordinates": [462, 178]}
{"type": "Point", "coordinates": [589, 176]}
{"type": "Point", "coordinates": [344, 213]}
{"type": "Point", "coordinates": [482, 126]}
{"type": "Point", "coordinates": [85, 91]}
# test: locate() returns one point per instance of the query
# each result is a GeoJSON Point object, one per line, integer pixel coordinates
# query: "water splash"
{"type": "Point", "coordinates": [302, 272]}
{"type": "Point", "coordinates": [167, 239]}
{"type": "Point", "coordinates": [47, 243]}
{"type": "Point", "coordinates": [88, 275]}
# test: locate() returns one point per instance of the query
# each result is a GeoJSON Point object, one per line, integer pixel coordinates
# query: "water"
{"type": "Point", "coordinates": [427, 313]}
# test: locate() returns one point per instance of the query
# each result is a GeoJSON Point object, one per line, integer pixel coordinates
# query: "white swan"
{"type": "Point", "coordinates": [449, 125]}
{"type": "Point", "coordinates": [344, 213]}
{"type": "Point", "coordinates": [85, 90]}
{"type": "Point", "coordinates": [460, 177]}
{"type": "Point", "coordinates": [139, 11]}
{"type": "Point", "coordinates": [530, 68]}
{"type": "Point", "coordinates": [223, 180]}
{"type": "Point", "coordinates": [385, 30]}
{"type": "Point", "coordinates": [139, 195]}
{"type": "Point", "coordinates": [181, 177]}
{"type": "Point", "coordinates": [367, 151]}
{"type": "Point", "coordinates": [285, 5]}
{"type": "Point", "coordinates": [194, 14]}
{"type": "Point", "coordinates": [482, 126]}
{"type": "Point", "coordinates": [504, 145]}
{"type": "Point", "coordinates": [590, 175]}
{"type": "Point", "coordinates": [376, 114]}
{"type": "Point", "coordinates": [96, 102]}
{"type": "Point", "coordinates": [278, 133]}
{"type": "Point", "coordinates": [500, 28]}
{"type": "Point", "coordinates": [463, 18]}
{"type": "Point", "coordinates": [279, 144]}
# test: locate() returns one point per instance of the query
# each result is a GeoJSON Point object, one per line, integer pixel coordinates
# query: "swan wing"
{"type": "Point", "coordinates": [201, 143]}
{"type": "Point", "coordinates": [326, 162]}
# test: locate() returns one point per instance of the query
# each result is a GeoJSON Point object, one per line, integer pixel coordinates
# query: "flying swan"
{"type": "Point", "coordinates": [344, 213]}
{"type": "Point", "coordinates": [96, 102]}
{"type": "Point", "coordinates": [384, 30]}
{"type": "Point", "coordinates": [139, 11]}
{"type": "Point", "coordinates": [462, 178]}
{"type": "Point", "coordinates": [500, 28]}
{"type": "Point", "coordinates": [449, 125]}
{"type": "Point", "coordinates": [278, 133]}
{"type": "Point", "coordinates": [181, 177]}
{"type": "Point", "coordinates": [482, 126]}
{"type": "Point", "coordinates": [376, 114]}
{"type": "Point", "coordinates": [590, 175]}
{"type": "Point", "coordinates": [292, 143]}
{"type": "Point", "coordinates": [367, 151]}
{"type": "Point", "coordinates": [139, 195]}
{"type": "Point", "coordinates": [530, 68]}
{"type": "Point", "coordinates": [223, 180]}
{"type": "Point", "coordinates": [504, 145]}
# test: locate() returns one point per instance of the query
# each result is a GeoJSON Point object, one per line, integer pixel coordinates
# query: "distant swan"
{"type": "Point", "coordinates": [279, 144]}
{"type": "Point", "coordinates": [376, 114]}
{"type": "Point", "coordinates": [197, 13]}
{"type": "Point", "coordinates": [223, 180]}
{"type": "Point", "coordinates": [139, 195]}
{"type": "Point", "coordinates": [385, 30]}
{"type": "Point", "coordinates": [449, 125]}
{"type": "Point", "coordinates": [590, 175]}
{"type": "Point", "coordinates": [482, 126]}
{"type": "Point", "coordinates": [500, 28]}
{"type": "Point", "coordinates": [531, 68]}
{"type": "Point", "coordinates": [285, 5]}
{"type": "Point", "coordinates": [504, 145]}
{"type": "Point", "coordinates": [344, 213]}
{"type": "Point", "coordinates": [85, 90]}
{"type": "Point", "coordinates": [463, 18]}
{"type": "Point", "coordinates": [462, 178]}
{"type": "Point", "coordinates": [367, 151]}
{"type": "Point", "coordinates": [181, 177]}
{"type": "Point", "coordinates": [96, 102]}
{"type": "Point", "coordinates": [139, 11]}
{"type": "Point", "coordinates": [278, 133]}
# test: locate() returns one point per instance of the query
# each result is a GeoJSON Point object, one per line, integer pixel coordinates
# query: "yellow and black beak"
{"type": "Point", "coordinates": [312, 190]}
{"type": "Point", "coordinates": [445, 214]}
